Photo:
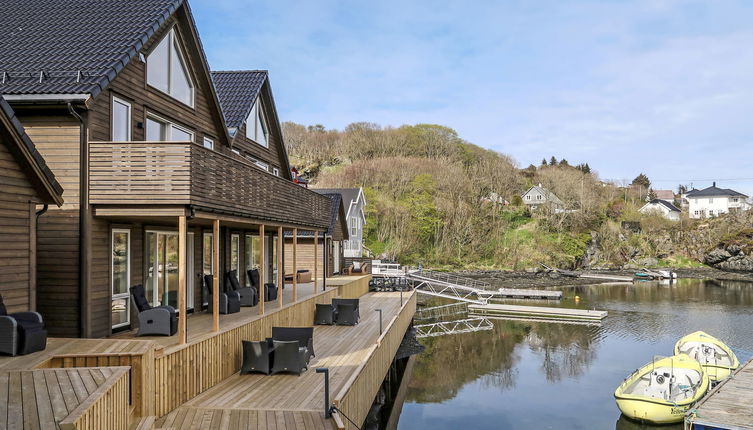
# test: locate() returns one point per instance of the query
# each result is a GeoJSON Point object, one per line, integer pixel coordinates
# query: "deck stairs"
{"type": "Point", "coordinates": [442, 328]}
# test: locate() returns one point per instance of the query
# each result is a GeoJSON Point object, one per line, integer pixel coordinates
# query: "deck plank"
{"type": "Point", "coordinates": [729, 405]}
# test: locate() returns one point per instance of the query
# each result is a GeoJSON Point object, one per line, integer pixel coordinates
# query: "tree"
{"type": "Point", "coordinates": [564, 163]}
{"type": "Point", "coordinates": [543, 162]}
{"type": "Point", "coordinates": [585, 168]}
{"type": "Point", "coordinates": [642, 181]}
{"type": "Point", "coordinates": [651, 194]}
{"type": "Point", "coordinates": [682, 189]}
{"type": "Point", "coordinates": [553, 161]}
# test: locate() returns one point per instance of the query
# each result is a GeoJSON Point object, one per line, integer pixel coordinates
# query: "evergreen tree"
{"type": "Point", "coordinates": [543, 162]}
{"type": "Point", "coordinates": [641, 180]}
{"type": "Point", "coordinates": [553, 161]}
{"type": "Point", "coordinates": [586, 169]}
{"type": "Point", "coordinates": [564, 163]}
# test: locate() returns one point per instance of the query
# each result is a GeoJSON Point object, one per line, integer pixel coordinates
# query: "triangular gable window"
{"type": "Point", "coordinates": [256, 124]}
{"type": "Point", "coordinates": [166, 69]}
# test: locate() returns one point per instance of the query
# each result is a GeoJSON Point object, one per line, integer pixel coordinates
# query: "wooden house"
{"type": "Point", "coordinates": [121, 104]}
{"type": "Point", "coordinates": [355, 204]}
{"type": "Point", "coordinates": [329, 245]}
{"type": "Point", "coordinates": [25, 183]}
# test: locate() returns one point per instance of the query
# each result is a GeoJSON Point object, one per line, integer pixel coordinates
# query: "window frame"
{"type": "Point", "coordinates": [262, 165]}
{"type": "Point", "coordinates": [173, 43]}
{"type": "Point", "coordinates": [170, 126]}
{"type": "Point", "coordinates": [235, 241]}
{"type": "Point", "coordinates": [210, 144]}
{"type": "Point", "coordinates": [126, 295]}
{"type": "Point", "coordinates": [259, 120]}
{"type": "Point", "coordinates": [116, 99]}
{"type": "Point", "coordinates": [276, 171]}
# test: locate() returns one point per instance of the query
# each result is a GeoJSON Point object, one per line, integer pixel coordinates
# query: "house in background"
{"type": "Point", "coordinates": [666, 195]}
{"type": "Point", "coordinates": [25, 182]}
{"type": "Point", "coordinates": [332, 241]}
{"type": "Point", "coordinates": [714, 201]}
{"type": "Point", "coordinates": [661, 207]}
{"type": "Point", "coordinates": [355, 203]}
{"type": "Point", "coordinates": [537, 196]}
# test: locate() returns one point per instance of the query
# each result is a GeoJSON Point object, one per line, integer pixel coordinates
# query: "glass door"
{"type": "Point", "coordinates": [162, 268]}
{"type": "Point", "coordinates": [270, 254]}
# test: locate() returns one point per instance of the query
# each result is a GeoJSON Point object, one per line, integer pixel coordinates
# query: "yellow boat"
{"type": "Point", "coordinates": [717, 359]}
{"type": "Point", "coordinates": [662, 391]}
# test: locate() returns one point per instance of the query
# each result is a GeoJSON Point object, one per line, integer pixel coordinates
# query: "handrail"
{"type": "Point", "coordinates": [71, 422]}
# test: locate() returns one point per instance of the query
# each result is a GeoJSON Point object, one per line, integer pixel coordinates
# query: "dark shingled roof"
{"type": "Point", "coordinates": [334, 217]}
{"type": "Point", "coordinates": [237, 91]}
{"type": "Point", "coordinates": [714, 191]}
{"type": "Point", "coordinates": [666, 204]}
{"type": "Point", "coordinates": [349, 194]}
{"type": "Point", "coordinates": [47, 178]}
{"type": "Point", "coordinates": [78, 46]}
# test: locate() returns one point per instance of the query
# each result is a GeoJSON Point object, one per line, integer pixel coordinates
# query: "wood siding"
{"type": "Point", "coordinates": [16, 229]}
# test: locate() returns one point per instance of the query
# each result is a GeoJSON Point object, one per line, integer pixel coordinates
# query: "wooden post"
{"type": "Point", "coordinates": [182, 280]}
{"type": "Point", "coordinates": [316, 260]}
{"type": "Point", "coordinates": [280, 269]}
{"type": "Point", "coordinates": [262, 263]}
{"type": "Point", "coordinates": [216, 275]}
{"type": "Point", "coordinates": [295, 265]}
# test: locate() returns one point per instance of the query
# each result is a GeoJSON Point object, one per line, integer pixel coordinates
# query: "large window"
{"type": "Point", "coordinates": [161, 268]}
{"type": "Point", "coordinates": [207, 245]}
{"type": "Point", "coordinates": [121, 120]}
{"type": "Point", "coordinates": [252, 252]}
{"type": "Point", "coordinates": [121, 277]}
{"type": "Point", "coordinates": [256, 125]}
{"type": "Point", "coordinates": [166, 69]}
{"type": "Point", "coordinates": [235, 257]}
{"type": "Point", "coordinates": [160, 130]}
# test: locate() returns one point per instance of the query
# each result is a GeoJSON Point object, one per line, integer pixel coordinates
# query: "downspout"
{"type": "Point", "coordinates": [84, 226]}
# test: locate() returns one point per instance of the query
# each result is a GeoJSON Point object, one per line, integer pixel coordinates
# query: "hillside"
{"type": "Point", "coordinates": [437, 199]}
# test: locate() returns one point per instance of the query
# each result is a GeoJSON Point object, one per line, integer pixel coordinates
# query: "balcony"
{"type": "Point", "coordinates": [184, 173]}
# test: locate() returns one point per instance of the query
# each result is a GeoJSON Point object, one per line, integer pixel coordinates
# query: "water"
{"type": "Point", "coordinates": [561, 376]}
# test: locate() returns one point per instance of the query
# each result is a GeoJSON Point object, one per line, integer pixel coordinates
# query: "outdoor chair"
{"type": "Point", "coordinates": [304, 336]}
{"type": "Point", "coordinates": [21, 333]}
{"type": "Point", "coordinates": [257, 356]}
{"type": "Point", "coordinates": [229, 303]}
{"type": "Point", "coordinates": [304, 276]}
{"type": "Point", "coordinates": [248, 296]}
{"type": "Point", "coordinates": [270, 292]}
{"type": "Point", "coordinates": [347, 311]}
{"type": "Point", "coordinates": [289, 356]}
{"type": "Point", "coordinates": [325, 314]}
{"type": "Point", "coordinates": [160, 320]}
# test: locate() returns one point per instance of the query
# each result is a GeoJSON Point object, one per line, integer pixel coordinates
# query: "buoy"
{"type": "Point", "coordinates": [577, 298]}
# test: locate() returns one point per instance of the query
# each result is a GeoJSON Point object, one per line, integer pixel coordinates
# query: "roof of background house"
{"type": "Point", "coordinates": [349, 194]}
{"type": "Point", "coordinates": [73, 46]}
{"type": "Point", "coordinates": [550, 196]}
{"type": "Point", "coordinates": [664, 203]}
{"type": "Point", "coordinates": [713, 190]}
{"type": "Point", "coordinates": [43, 174]}
{"type": "Point", "coordinates": [334, 218]}
{"type": "Point", "coordinates": [667, 195]}
{"type": "Point", "coordinates": [237, 91]}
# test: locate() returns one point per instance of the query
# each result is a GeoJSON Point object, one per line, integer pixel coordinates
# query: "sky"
{"type": "Point", "coordinates": [662, 87]}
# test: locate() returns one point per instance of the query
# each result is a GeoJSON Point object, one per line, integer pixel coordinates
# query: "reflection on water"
{"type": "Point", "coordinates": [545, 375]}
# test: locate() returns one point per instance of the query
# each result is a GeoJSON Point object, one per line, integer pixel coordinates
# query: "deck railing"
{"type": "Point", "coordinates": [139, 173]}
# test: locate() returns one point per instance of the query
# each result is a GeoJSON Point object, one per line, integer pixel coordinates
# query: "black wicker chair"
{"type": "Point", "coordinates": [160, 320]}
{"type": "Point", "coordinates": [256, 357]}
{"type": "Point", "coordinates": [304, 336]}
{"type": "Point", "coordinates": [289, 357]}
{"type": "Point", "coordinates": [347, 311]}
{"type": "Point", "coordinates": [248, 296]}
{"type": "Point", "coordinates": [21, 333]}
{"type": "Point", "coordinates": [230, 302]}
{"type": "Point", "coordinates": [325, 314]}
{"type": "Point", "coordinates": [270, 292]}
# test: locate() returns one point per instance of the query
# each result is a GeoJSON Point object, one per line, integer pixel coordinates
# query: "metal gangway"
{"type": "Point", "coordinates": [451, 286]}
{"type": "Point", "coordinates": [443, 328]}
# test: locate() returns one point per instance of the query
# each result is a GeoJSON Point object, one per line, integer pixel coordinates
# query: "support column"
{"type": "Point", "coordinates": [295, 265]}
{"type": "Point", "coordinates": [262, 269]}
{"type": "Point", "coordinates": [316, 260]}
{"type": "Point", "coordinates": [182, 332]}
{"type": "Point", "coordinates": [280, 268]}
{"type": "Point", "coordinates": [325, 264]}
{"type": "Point", "coordinates": [216, 275]}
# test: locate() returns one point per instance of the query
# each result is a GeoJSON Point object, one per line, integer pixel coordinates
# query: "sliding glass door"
{"type": "Point", "coordinates": [162, 268]}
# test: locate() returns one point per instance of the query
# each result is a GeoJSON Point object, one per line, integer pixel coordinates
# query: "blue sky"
{"type": "Point", "coordinates": [664, 87]}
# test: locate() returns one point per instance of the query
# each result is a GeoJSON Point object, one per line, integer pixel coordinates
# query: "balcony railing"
{"type": "Point", "coordinates": [168, 173]}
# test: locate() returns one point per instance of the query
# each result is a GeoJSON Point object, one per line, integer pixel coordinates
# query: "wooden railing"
{"type": "Point", "coordinates": [125, 173]}
{"type": "Point", "coordinates": [105, 408]}
{"type": "Point", "coordinates": [358, 393]}
{"type": "Point", "coordinates": [350, 287]}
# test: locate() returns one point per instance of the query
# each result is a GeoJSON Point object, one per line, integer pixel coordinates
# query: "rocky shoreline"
{"type": "Point", "coordinates": [539, 279]}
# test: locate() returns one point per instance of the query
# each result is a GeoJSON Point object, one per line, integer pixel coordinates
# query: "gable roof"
{"type": "Point", "coordinates": [337, 215]}
{"type": "Point", "coordinates": [550, 196]}
{"type": "Point", "coordinates": [26, 153]}
{"type": "Point", "coordinates": [664, 194]}
{"type": "Point", "coordinates": [73, 46]}
{"type": "Point", "coordinates": [237, 91]}
{"type": "Point", "coordinates": [666, 204]}
{"type": "Point", "coordinates": [714, 191]}
{"type": "Point", "coordinates": [349, 194]}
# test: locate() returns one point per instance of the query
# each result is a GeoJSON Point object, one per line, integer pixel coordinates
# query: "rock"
{"type": "Point", "coordinates": [734, 249]}
{"type": "Point", "coordinates": [738, 263]}
{"type": "Point", "coordinates": [647, 261]}
{"type": "Point", "coordinates": [716, 256]}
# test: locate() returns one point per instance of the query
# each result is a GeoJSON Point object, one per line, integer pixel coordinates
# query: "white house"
{"type": "Point", "coordinates": [661, 207]}
{"type": "Point", "coordinates": [538, 196]}
{"type": "Point", "coordinates": [713, 201]}
{"type": "Point", "coordinates": [354, 202]}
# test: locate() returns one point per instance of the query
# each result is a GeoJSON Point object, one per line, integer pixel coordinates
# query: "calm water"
{"type": "Point", "coordinates": [546, 376]}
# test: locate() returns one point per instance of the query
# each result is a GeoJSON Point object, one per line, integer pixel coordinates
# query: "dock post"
{"type": "Point", "coordinates": [327, 411]}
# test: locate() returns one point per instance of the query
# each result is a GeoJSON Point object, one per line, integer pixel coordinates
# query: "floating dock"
{"type": "Point", "coordinates": [517, 293]}
{"type": "Point", "coordinates": [727, 406]}
{"type": "Point", "coordinates": [617, 278]}
{"type": "Point", "coordinates": [537, 313]}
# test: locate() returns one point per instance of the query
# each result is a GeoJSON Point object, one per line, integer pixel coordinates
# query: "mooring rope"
{"type": "Point", "coordinates": [334, 408]}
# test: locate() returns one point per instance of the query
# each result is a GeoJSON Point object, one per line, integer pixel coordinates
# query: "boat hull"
{"type": "Point", "coordinates": [715, 370]}
{"type": "Point", "coordinates": [651, 412]}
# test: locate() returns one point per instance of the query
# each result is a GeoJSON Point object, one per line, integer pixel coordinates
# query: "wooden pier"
{"type": "Point", "coordinates": [537, 312]}
{"type": "Point", "coordinates": [519, 293]}
{"type": "Point", "coordinates": [727, 406]}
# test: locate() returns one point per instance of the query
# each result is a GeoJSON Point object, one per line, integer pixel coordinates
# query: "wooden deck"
{"type": "Point", "coordinates": [297, 402]}
{"type": "Point", "coordinates": [728, 406]}
{"type": "Point", "coordinates": [61, 398]}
